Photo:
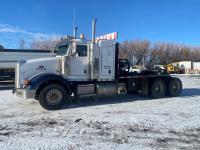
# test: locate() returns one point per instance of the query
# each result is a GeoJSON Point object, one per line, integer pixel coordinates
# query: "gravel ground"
{"type": "Point", "coordinates": [124, 122]}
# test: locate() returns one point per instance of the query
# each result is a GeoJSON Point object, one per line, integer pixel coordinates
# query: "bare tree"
{"type": "Point", "coordinates": [145, 52]}
{"type": "Point", "coordinates": [123, 50]}
{"type": "Point", "coordinates": [135, 51]}
{"type": "Point", "coordinates": [44, 44]}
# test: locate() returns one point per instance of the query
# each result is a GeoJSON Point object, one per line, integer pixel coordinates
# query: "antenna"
{"type": "Point", "coordinates": [74, 21]}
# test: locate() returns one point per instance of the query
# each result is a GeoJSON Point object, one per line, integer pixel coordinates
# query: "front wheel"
{"type": "Point", "coordinates": [158, 88]}
{"type": "Point", "coordinates": [52, 96]}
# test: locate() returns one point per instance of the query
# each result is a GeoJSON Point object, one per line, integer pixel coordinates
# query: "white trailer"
{"type": "Point", "coordinates": [10, 57]}
{"type": "Point", "coordinates": [190, 67]}
{"type": "Point", "coordinates": [186, 64]}
{"type": "Point", "coordinates": [196, 67]}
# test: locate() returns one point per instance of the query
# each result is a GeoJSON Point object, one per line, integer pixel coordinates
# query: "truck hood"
{"type": "Point", "coordinates": [27, 69]}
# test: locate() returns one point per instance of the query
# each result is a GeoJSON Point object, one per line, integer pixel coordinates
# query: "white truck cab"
{"type": "Point", "coordinates": [75, 58]}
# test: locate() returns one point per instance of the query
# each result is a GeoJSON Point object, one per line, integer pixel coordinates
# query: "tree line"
{"type": "Point", "coordinates": [35, 44]}
{"type": "Point", "coordinates": [138, 52]}
{"type": "Point", "coordinates": [142, 52]}
{"type": "Point", "coordinates": [145, 52]}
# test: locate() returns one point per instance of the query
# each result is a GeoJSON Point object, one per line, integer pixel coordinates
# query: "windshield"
{"type": "Point", "coordinates": [62, 50]}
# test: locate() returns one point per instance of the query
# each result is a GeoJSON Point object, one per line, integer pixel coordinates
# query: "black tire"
{"type": "Point", "coordinates": [158, 88]}
{"type": "Point", "coordinates": [52, 97]}
{"type": "Point", "coordinates": [174, 88]}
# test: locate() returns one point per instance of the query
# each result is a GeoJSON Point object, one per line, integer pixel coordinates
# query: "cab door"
{"type": "Point", "coordinates": [79, 63]}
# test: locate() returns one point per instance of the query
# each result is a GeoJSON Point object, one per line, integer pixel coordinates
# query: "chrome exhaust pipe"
{"type": "Point", "coordinates": [91, 64]}
{"type": "Point", "coordinates": [94, 30]}
{"type": "Point", "coordinates": [75, 32]}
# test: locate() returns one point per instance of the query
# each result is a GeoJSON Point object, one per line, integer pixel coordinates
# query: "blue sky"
{"type": "Point", "coordinates": [175, 21]}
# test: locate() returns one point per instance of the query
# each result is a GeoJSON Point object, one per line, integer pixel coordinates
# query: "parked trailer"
{"type": "Point", "coordinates": [10, 57]}
{"type": "Point", "coordinates": [190, 67]}
{"type": "Point", "coordinates": [185, 64]}
{"type": "Point", "coordinates": [196, 67]}
{"type": "Point", "coordinates": [87, 68]}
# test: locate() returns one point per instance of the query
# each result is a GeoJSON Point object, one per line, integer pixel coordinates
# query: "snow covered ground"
{"type": "Point", "coordinates": [125, 122]}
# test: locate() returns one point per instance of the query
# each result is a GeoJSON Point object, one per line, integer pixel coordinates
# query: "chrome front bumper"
{"type": "Point", "coordinates": [26, 93]}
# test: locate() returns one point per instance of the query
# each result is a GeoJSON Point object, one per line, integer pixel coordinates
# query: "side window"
{"type": "Point", "coordinates": [81, 50]}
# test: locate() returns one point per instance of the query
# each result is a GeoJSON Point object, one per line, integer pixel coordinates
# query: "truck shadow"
{"type": "Point", "coordinates": [87, 101]}
{"type": "Point", "coordinates": [190, 92]}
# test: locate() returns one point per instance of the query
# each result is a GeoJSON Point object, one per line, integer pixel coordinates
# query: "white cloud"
{"type": "Point", "coordinates": [9, 29]}
{"type": "Point", "coordinates": [11, 35]}
{"type": "Point", "coordinates": [32, 35]}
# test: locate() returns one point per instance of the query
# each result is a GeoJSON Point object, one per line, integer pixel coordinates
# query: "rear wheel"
{"type": "Point", "coordinates": [52, 96]}
{"type": "Point", "coordinates": [175, 87]}
{"type": "Point", "coordinates": [158, 88]}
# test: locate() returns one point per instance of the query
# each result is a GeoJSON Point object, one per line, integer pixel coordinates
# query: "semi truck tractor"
{"type": "Point", "coordinates": [87, 68]}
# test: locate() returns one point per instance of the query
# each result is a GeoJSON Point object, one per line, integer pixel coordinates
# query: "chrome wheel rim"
{"type": "Point", "coordinates": [54, 97]}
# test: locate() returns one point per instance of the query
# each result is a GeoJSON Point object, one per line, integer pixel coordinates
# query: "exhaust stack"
{"type": "Point", "coordinates": [91, 63]}
{"type": "Point", "coordinates": [75, 32]}
{"type": "Point", "coordinates": [94, 30]}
